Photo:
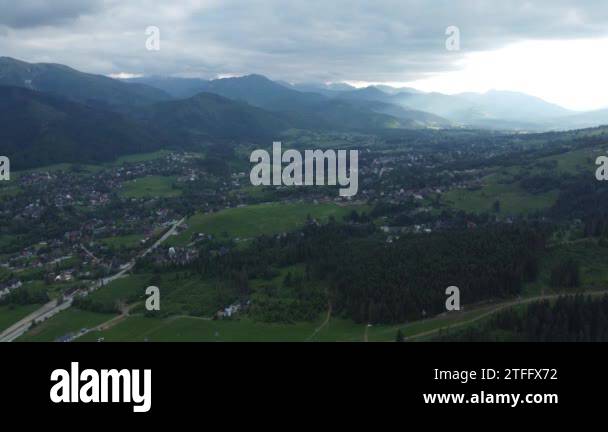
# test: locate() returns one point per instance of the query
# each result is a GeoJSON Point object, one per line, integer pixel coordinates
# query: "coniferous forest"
{"type": "Point", "coordinates": [567, 319]}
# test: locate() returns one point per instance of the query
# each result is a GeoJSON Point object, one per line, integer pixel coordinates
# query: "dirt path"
{"type": "Point", "coordinates": [124, 314]}
{"type": "Point", "coordinates": [201, 318]}
{"type": "Point", "coordinates": [323, 324]}
{"type": "Point", "coordinates": [501, 306]}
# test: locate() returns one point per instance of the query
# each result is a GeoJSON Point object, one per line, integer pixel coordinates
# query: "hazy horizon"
{"type": "Point", "coordinates": [550, 49]}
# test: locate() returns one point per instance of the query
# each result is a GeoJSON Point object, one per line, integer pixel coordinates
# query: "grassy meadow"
{"type": "Point", "coordinates": [150, 187]}
{"type": "Point", "coordinates": [255, 220]}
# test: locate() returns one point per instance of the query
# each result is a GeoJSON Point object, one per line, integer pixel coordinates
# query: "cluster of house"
{"type": "Point", "coordinates": [8, 286]}
{"type": "Point", "coordinates": [189, 176]}
{"type": "Point", "coordinates": [38, 256]}
{"type": "Point", "coordinates": [182, 256]}
{"type": "Point", "coordinates": [31, 211]}
{"type": "Point", "coordinates": [68, 187]}
{"type": "Point", "coordinates": [64, 276]}
{"type": "Point", "coordinates": [174, 255]}
{"type": "Point", "coordinates": [230, 311]}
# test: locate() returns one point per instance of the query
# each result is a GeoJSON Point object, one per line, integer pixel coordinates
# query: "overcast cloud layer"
{"type": "Point", "coordinates": [329, 40]}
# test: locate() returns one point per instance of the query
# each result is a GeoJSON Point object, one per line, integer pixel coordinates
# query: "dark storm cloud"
{"type": "Point", "coordinates": [35, 13]}
{"type": "Point", "coordinates": [380, 40]}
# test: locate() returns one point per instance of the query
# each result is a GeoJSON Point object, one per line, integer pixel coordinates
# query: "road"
{"type": "Point", "coordinates": [164, 237]}
{"type": "Point", "coordinates": [46, 311]}
{"type": "Point", "coordinates": [88, 252]}
{"type": "Point", "coordinates": [53, 307]}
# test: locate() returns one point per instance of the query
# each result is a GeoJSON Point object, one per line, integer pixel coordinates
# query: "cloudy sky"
{"type": "Point", "coordinates": [556, 49]}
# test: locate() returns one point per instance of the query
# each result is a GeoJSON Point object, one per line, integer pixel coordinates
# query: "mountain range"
{"type": "Point", "coordinates": [53, 113]}
{"type": "Point", "coordinates": [502, 110]}
{"type": "Point", "coordinates": [68, 83]}
{"type": "Point", "coordinates": [303, 109]}
{"type": "Point", "coordinates": [41, 129]}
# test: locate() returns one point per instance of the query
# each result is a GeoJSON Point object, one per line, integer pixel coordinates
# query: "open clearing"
{"type": "Point", "coordinates": [10, 315]}
{"type": "Point", "coordinates": [193, 329]}
{"type": "Point", "coordinates": [150, 187]}
{"type": "Point", "coordinates": [502, 184]}
{"type": "Point", "coordinates": [513, 199]}
{"type": "Point", "coordinates": [255, 220]}
{"type": "Point", "coordinates": [128, 241]}
{"type": "Point", "coordinates": [123, 289]}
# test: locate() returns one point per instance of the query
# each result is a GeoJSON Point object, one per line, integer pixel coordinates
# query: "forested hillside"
{"type": "Point", "coordinates": [38, 129]}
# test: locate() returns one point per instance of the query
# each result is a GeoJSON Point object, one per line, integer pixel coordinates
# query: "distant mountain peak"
{"type": "Point", "coordinates": [69, 83]}
{"type": "Point", "coordinates": [5, 59]}
{"type": "Point", "coordinates": [396, 90]}
{"type": "Point", "coordinates": [371, 90]}
{"type": "Point", "coordinates": [248, 77]}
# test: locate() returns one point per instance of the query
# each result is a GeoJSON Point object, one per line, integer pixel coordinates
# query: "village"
{"type": "Point", "coordinates": [70, 225]}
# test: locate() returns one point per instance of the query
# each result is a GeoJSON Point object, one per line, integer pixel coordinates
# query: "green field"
{"type": "Point", "coordinates": [127, 241]}
{"type": "Point", "coordinates": [587, 252]}
{"type": "Point", "coordinates": [125, 289]}
{"type": "Point", "coordinates": [140, 157]}
{"type": "Point", "coordinates": [138, 328]}
{"type": "Point", "coordinates": [11, 314]}
{"type": "Point", "coordinates": [150, 187]}
{"type": "Point", "coordinates": [255, 220]}
{"type": "Point", "coordinates": [68, 321]}
{"type": "Point", "coordinates": [513, 199]}
{"type": "Point", "coordinates": [577, 161]}
{"type": "Point", "coordinates": [387, 333]}
{"type": "Point", "coordinates": [341, 330]}
{"type": "Point", "coordinates": [181, 294]}
{"type": "Point", "coordinates": [502, 184]}
{"type": "Point", "coordinates": [192, 329]}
